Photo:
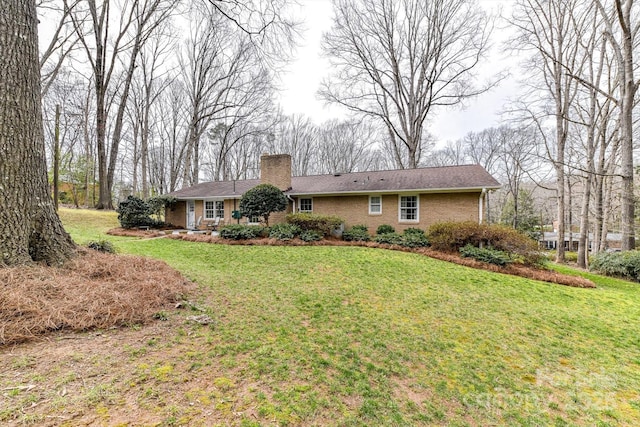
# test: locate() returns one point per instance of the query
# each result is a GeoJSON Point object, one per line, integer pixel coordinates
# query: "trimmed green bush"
{"type": "Point", "coordinates": [414, 240]}
{"type": "Point", "coordinates": [413, 230]}
{"type": "Point", "coordinates": [323, 224]}
{"type": "Point", "coordinates": [241, 231]}
{"type": "Point", "coordinates": [451, 236]}
{"type": "Point", "coordinates": [385, 229]}
{"type": "Point", "coordinates": [261, 201]}
{"type": "Point", "coordinates": [357, 233]}
{"type": "Point", "coordinates": [390, 238]}
{"type": "Point", "coordinates": [284, 231]}
{"type": "Point", "coordinates": [310, 236]}
{"type": "Point", "coordinates": [618, 264]}
{"type": "Point", "coordinates": [135, 212]}
{"type": "Point", "coordinates": [488, 255]}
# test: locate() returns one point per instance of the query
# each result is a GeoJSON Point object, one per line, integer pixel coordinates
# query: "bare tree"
{"type": "Point", "coordinates": [170, 119]}
{"type": "Point", "coordinates": [346, 146]}
{"type": "Point", "coordinates": [622, 29]}
{"type": "Point", "coordinates": [483, 148]}
{"type": "Point", "coordinates": [518, 156]}
{"type": "Point", "coordinates": [30, 229]}
{"type": "Point", "coordinates": [105, 50]}
{"type": "Point", "coordinates": [62, 42]}
{"type": "Point", "coordinates": [148, 85]}
{"type": "Point", "coordinates": [549, 29]}
{"type": "Point", "coordinates": [297, 136]}
{"type": "Point", "coordinates": [396, 60]}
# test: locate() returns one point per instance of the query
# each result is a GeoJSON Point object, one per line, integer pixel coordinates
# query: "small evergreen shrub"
{"type": "Point", "coordinates": [384, 229]}
{"type": "Point", "coordinates": [413, 230]}
{"type": "Point", "coordinates": [618, 264]}
{"type": "Point", "coordinates": [284, 231]}
{"type": "Point", "coordinates": [358, 233]}
{"type": "Point", "coordinates": [241, 231]}
{"type": "Point", "coordinates": [488, 255]}
{"type": "Point", "coordinates": [390, 238]}
{"type": "Point", "coordinates": [414, 240]}
{"type": "Point", "coordinates": [262, 200]}
{"type": "Point", "coordinates": [311, 236]}
{"type": "Point", "coordinates": [102, 246]}
{"type": "Point", "coordinates": [134, 212]}
{"type": "Point", "coordinates": [323, 224]}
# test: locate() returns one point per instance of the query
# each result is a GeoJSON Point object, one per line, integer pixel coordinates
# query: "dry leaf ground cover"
{"type": "Point", "coordinates": [341, 336]}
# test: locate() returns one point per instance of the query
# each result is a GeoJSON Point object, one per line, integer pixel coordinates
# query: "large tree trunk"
{"type": "Point", "coordinates": [29, 225]}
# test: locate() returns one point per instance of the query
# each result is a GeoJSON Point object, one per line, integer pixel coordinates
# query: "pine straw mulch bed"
{"type": "Point", "coordinates": [134, 232]}
{"type": "Point", "coordinates": [92, 291]}
{"type": "Point", "coordinates": [520, 270]}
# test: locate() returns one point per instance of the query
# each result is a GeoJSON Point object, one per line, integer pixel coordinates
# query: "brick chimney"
{"type": "Point", "coordinates": [276, 170]}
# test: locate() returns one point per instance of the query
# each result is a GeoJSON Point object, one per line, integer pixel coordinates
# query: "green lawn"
{"type": "Point", "coordinates": [359, 336]}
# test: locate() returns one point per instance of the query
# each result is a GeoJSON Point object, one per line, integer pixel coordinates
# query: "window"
{"type": "Point", "coordinates": [306, 205]}
{"type": "Point", "coordinates": [409, 208]}
{"type": "Point", "coordinates": [375, 205]}
{"type": "Point", "coordinates": [213, 209]}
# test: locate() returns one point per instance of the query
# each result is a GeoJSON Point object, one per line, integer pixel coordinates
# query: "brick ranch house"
{"type": "Point", "coordinates": [401, 198]}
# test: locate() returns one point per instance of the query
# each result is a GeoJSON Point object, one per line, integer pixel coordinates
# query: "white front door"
{"type": "Point", "coordinates": [191, 214]}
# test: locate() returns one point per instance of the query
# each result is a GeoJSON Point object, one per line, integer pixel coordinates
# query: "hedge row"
{"type": "Point", "coordinates": [451, 236]}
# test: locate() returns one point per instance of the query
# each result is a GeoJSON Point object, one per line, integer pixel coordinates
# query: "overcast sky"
{"type": "Point", "coordinates": [307, 71]}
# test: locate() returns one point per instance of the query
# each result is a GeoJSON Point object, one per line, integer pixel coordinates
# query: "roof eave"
{"type": "Point", "coordinates": [392, 191]}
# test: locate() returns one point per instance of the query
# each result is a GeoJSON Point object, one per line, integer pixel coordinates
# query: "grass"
{"type": "Point", "coordinates": [360, 336]}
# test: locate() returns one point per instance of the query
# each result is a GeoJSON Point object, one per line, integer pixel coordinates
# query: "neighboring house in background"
{"type": "Point", "coordinates": [549, 240]}
{"type": "Point", "coordinates": [401, 198]}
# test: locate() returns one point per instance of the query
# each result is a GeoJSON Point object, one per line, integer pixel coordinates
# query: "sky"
{"type": "Point", "coordinates": [309, 68]}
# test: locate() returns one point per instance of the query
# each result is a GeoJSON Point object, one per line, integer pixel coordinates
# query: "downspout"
{"type": "Point", "coordinates": [481, 205]}
{"type": "Point", "coordinates": [293, 203]}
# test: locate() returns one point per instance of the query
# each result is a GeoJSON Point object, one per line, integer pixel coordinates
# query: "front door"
{"type": "Point", "coordinates": [191, 214]}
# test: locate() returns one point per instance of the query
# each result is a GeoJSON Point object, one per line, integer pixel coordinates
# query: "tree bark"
{"type": "Point", "coordinates": [30, 229]}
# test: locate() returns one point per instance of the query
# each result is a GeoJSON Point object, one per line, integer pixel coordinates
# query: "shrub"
{"type": "Point", "coordinates": [413, 230]}
{"type": "Point", "coordinates": [390, 238]}
{"type": "Point", "coordinates": [324, 224]}
{"type": "Point", "coordinates": [310, 236]}
{"type": "Point", "coordinates": [488, 255]}
{"type": "Point", "coordinates": [158, 204]}
{"type": "Point", "coordinates": [102, 246]}
{"type": "Point", "coordinates": [618, 264]}
{"type": "Point", "coordinates": [570, 256]}
{"type": "Point", "coordinates": [451, 236]}
{"type": "Point", "coordinates": [358, 233]}
{"type": "Point", "coordinates": [134, 212]}
{"type": "Point", "coordinates": [262, 200]}
{"type": "Point", "coordinates": [241, 231]}
{"type": "Point", "coordinates": [414, 240]}
{"type": "Point", "coordinates": [384, 229]}
{"type": "Point", "coordinates": [284, 231]}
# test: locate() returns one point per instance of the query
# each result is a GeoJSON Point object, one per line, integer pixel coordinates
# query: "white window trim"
{"type": "Point", "coordinates": [300, 204]}
{"type": "Point", "coordinates": [204, 208]}
{"type": "Point", "coordinates": [375, 213]}
{"type": "Point", "coordinates": [411, 221]}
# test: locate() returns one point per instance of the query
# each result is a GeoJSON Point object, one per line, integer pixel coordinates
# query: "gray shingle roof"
{"type": "Point", "coordinates": [447, 178]}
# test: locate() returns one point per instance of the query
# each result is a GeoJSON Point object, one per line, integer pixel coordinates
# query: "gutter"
{"type": "Point", "coordinates": [293, 203]}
